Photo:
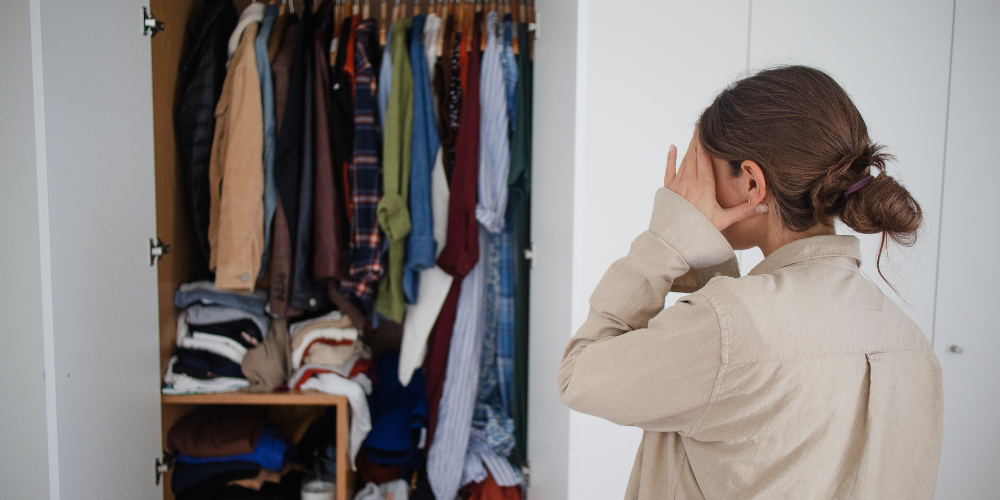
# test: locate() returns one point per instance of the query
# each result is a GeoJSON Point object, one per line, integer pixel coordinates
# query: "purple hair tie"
{"type": "Point", "coordinates": [858, 185]}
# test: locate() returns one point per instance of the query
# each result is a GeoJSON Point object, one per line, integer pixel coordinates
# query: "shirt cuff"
{"type": "Point", "coordinates": [688, 231]}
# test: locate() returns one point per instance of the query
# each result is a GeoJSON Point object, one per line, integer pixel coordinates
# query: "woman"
{"type": "Point", "coordinates": [800, 380]}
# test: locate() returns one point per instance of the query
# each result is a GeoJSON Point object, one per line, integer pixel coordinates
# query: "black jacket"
{"type": "Point", "coordinates": [202, 75]}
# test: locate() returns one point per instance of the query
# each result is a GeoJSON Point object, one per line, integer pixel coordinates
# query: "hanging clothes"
{"type": "Point", "coordinates": [330, 245]}
{"type": "Point", "coordinates": [492, 435]}
{"type": "Point", "coordinates": [270, 135]}
{"type": "Point", "coordinates": [446, 458]}
{"type": "Point", "coordinates": [519, 206]}
{"type": "Point", "coordinates": [236, 222]}
{"type": "Point", "coordinates": [203, 73]}
{"type": "Point", "coordinates": [446, 102]}
{"type": "Point", "coordinates": [494, 149]}
{"type": "Point", "coordinates": [424, 283]}
{"type": "Point", "coordinates": [421, 249]}
{"type": "Point", "coordinates": [385, 77]}
{"type": "Point", "coordinates": [435, 285]}
{"type": "Point", "coordinates": [288, 164]}
{"type": "Point", "coordinates": [505, 335]}
{"type": "Point", "coordinates": [492, 438]}
{"type": "Point", "coordinates": [365, 241]}
{"type": "Point", "coordinates": [278, 31]}
{"type": "Point", "coordinates": [308, 293]}
{"type": "Point", "coordinates": [432, 25]}
{"type": "Point", "coordinates": [393, 213]}
{"type": "Point", "coordinates": [462, 249]}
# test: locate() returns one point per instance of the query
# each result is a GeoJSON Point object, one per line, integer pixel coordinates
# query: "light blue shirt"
{"type": "Point", "coordinates": [421, 248]}
{"type": "Point", "coordinates": [494, 147]}
{"type": "Point", "coordinates": [446, 458]}
{"type": "Point", "coordinates": [385, 79]}
{"type": "Point", "coordinates": [270, 134]}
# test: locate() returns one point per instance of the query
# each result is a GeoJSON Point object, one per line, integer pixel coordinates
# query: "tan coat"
{"type": "Point", "coordinates": [801, 380]}
{"type": "Point", "coordinates": [236, 174]}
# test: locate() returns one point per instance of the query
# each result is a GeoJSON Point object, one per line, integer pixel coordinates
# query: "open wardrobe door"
{"type": "Point", "coordinates": [94, 144]}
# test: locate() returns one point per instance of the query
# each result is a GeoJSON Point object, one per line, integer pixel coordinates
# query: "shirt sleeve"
{"type": "Point", "coordinates": [661, 374]}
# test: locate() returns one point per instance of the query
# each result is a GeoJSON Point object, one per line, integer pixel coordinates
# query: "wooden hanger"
{"type": "Point", "coordinates": [531, 34]}
{"type": "Point", "coordinates": [366, 10]}
{"type": "Point", "coordinates": [485, 9]}
{"type": "Point", "coordinates": [403, 8]}
{"type": "Point", "coordinates": [443, 14]}
{"type": "Point", "coordinates": [383, 21]}
{"type": "Point", "coordinates": [515, 40]}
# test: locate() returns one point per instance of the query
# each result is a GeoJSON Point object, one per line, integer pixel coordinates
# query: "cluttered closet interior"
{"type": "Point", "coordinates": [345, 191]}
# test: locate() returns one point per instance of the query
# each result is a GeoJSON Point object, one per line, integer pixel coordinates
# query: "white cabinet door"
{"type": "Point", "coordinates": [892, 57]}
{"type": "Point", "coordinates": [97, 169]}
{"type": "Point", "coordinates": [969, 279]}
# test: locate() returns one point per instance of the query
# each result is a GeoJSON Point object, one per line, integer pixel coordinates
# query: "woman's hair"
{"type": "Point", "coordinates": [811, 143]}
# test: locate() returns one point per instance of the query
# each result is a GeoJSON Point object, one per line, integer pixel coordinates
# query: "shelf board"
{"type": "Point", "coordinates": [253, 398]}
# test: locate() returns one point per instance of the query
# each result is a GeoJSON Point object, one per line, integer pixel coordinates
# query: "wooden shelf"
{"type": "Point", "coordinates": [253, 398]}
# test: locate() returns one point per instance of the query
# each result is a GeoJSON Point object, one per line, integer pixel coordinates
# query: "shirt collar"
{"type": "Point", "coordinates": [814, 247]}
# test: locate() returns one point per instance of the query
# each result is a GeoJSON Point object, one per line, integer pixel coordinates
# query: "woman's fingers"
{"type": "Point", "coordinates": [687, 171]}
{"type": "Point", "coordinates": [668, 176]}
{"type": "Point", "coordinates": [704, 161]}
{"type": "Point", "coordinates": [726, 217]}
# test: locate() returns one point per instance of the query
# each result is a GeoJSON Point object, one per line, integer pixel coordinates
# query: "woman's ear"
{"type": "Point", "coordinates": [756, 184]}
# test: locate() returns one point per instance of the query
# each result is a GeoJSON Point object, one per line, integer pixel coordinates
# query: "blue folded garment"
{"type": "Point", "coordinates": [204, 292]}
{"type": "Point", "coordinates": [269, 453]}
{"type": "Point", "coordinates": [187, 475]}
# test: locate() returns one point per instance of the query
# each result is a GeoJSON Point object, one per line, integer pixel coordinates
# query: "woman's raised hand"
{"type": "Point", "coordinates": [695, 182]}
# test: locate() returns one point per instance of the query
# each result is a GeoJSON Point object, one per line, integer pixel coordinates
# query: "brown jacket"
{"type": "Point", "coordinates": [236, 174]}
{"type": "Point", "coordinates": [801, 380]}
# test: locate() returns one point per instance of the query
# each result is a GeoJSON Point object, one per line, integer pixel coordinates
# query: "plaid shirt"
{"type": "Point", "coordinates": [365, 260]}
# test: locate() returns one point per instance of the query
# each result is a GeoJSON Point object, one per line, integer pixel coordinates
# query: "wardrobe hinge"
{"type": "Point", "coordinates": [163, 464]}
{"type": "Point", "coordinates": [529, 254]}
{"type": "Point", "coordinates": [157, 249]}
{"type": "Point", "coordinates": [150, 26]}
{"type": "Point", "coordinates": [526, 471]}
{"type": "Point", "coordinates": [533, 27]}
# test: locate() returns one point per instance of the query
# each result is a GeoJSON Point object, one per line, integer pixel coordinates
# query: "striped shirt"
{"type": "Point", "coordinates": [446, 458]}
{"type": "Point", "coordinates": [494, 149]}
{"type": "Point", "coordinates": [365, 259]}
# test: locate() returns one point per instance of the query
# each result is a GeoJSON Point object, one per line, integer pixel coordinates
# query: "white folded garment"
{"type": "Point", "coordinates": [319, 333]}
{"type": "Point", "coordinates": [179, 383]}
{"type": "Point", "coordinates": [361, 420]}
{"type": "Point", "coordinates": [372, 491]}
{"type": "Point", "coordinates": [216, 344]}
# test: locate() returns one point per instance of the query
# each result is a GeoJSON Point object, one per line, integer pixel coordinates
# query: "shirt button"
{"type": "Point", "coordinates": [245, 278]}
{"type": "Point", "coordinates": [312, 302]}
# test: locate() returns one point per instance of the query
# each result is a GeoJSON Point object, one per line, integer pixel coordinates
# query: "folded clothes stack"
{"type": "Point", "coordinates": [215, 329]}
{"type": "Point", "coordinates": [327, 356]}
{"type": "Point", "coordinates": [229, 452]}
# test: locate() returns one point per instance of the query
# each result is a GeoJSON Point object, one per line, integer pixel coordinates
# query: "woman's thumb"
{"type": "Point", "coordinates": [739, 213]}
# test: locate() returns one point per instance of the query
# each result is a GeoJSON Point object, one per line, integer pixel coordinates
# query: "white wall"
{"type": "Point", "coordinates": [23, 441]}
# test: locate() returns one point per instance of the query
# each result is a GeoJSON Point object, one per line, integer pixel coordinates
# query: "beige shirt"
{"type": "Point", "coordinates": [800, 380]}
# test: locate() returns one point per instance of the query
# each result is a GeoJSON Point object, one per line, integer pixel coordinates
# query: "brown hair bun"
{"type": "Point", "coordinates": [812, 145]}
